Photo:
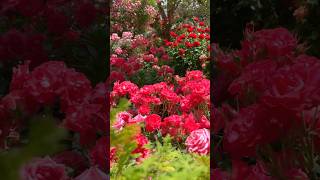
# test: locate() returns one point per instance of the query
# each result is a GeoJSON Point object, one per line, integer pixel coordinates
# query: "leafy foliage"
{"type": "Point", "coordinates": [43, 132]}
{"type": "Point", "coordinates": [122, 140]}
{"type": "Point", "coordinates": [170, 163]}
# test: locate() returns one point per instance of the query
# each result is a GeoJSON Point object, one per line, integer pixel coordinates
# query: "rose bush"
{"type": "Point", "coordinates": [157, 109]}
{"type": "Point", "coordinates": [53, 103]}
{"type": "Point", "coordinates": [188, 46]}
{"type": "Point", "coordinates": [263, 126]}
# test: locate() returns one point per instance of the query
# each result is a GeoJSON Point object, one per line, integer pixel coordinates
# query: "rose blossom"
{"type": "Point", "coordinates": [114, 37]}
{"type": "Point", "coordinates": [199, 141]}
{"type": "Point", "coordinates": [153, 122]}
{"type": "Point", "coordinates": [122, 119]}
{"type": "Point", "coordinates": [127, 35]}
{"type": "Point", "coordinates": [138, 118]}
{"type": "Point", "coordinates": [43, 169]}
{"type": "Point", "coordinates": [118, 51]}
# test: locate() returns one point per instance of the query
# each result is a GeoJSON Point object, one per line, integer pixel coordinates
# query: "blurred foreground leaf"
{"type": "Point", "coordinates": [43, 139]}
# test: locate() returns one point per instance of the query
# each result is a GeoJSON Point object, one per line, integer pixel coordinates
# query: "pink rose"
{"type": "Point", "coordinates": [114, 37]}
{"type": "Point", "coordinates": [43, 169]}
{"type": "Point", "coordinates": [199, 141]}
{"type": "Point", "coordinates": [118, 51]}
{"type": "Point", "coordinates": [122, 119]}
{"type": "Point", "coordinates": [127, 35]}
{"type": "Point", "coordinates": [138, 118]}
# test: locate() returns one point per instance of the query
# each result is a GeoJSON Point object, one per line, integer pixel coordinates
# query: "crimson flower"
{"type": "Point", "coordinates": [181, 51]}
{"type": "Point", "coordinates": [192, 35]}
{"type": "Point", "coordinates": [153, 122]}
{"type": "Point", "coordinates": [196, 43]}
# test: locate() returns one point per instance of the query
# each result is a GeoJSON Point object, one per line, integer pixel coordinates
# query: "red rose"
{"type": "Point", "coordinates": [250, 128]}
{"type": "Point", "coordinates": [253, 77]}
{"type": "Point", "coordinates": [144, 109]}
{"type": "Point", "coordinates": [196, 19]}
{"type": "Point", "coordinates": [199, 30]}
{"type": "Point", "coordinates": [190, 123]}
{"type": "Point", "coordinates": [201, 36]}
{"type": "Point", "coordinates": [43, 169]}
{"type": "Point", "coordinates": [112, 155]}
{"type": "Point", "coordinates": [188, 44]}
{"type": "Point", "coordinates": [165, 57]}
{"type": "Point", "coordinates": [181, 51]}
{"type": "Point", "coordinates": [196, 44]}
{"type": "Point", "coordinates": [204, 122]}
{"type": "Point", "coordinates": [186, 25]}
{"type": "Point", "coordinates": [172, 125]}
{"type": "Point", "coordinates": [294, 87]}
{"type": "Point", "coordinates": [182, 36]}
{"type": "Point", "coordinates": [153, 122]}
{"type": "Point", "coordinates": [175, 44]}
{"type": "Point", "coordinates": [192, 35]}
{"type": "Point", "coordinates": [269, 43]}
{"type": "Point", "coordinates": [168, 43]}
{"type": "Point", "coordinates": [141, 140]}
{"type": "Point", "coordinates": [201, 23]}
{"type": "Point", "coordinates": [173, 34]}
{"type": "Point", "coordinates": [199, 141]}
{"type": "Point", "coordinates": [190, 29]}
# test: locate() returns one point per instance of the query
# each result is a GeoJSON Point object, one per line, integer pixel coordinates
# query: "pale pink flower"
{"type": "Point", "coordinates": [119, 51]}
{"type": "Point", "coordinates": [114, 37]}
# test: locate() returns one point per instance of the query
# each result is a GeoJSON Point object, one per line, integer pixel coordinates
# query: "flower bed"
{"type": "Point", "coordinates": [53, 105]}
{"type": "Point", "coordinates": [160, 101]}
{"type": "Point", "coordinates": [266, 114]}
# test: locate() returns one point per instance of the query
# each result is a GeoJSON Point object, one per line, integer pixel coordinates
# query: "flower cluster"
{"type": "Point", "coordinates": [79, 108]}
{"type": "Point", "coordinates": [183, 108]}
{"type": "Point", "coordinates": [275, 90]}
{"type": "Point", "coordinates": [126, 15]}
{"type": "Point", "coordinates": [189, 45]}
{"type": "Point", "coordinates": [136, 53]}
{"type": "Point", "coordinates": [150, 98]}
